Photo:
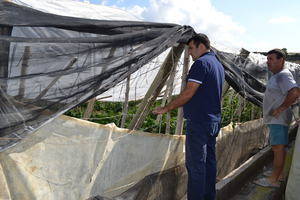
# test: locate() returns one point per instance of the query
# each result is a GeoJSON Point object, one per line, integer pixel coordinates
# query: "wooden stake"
{"type": "Point", "coordinates": [163, 103]}
{"type": "Point", "coordinates": [169, 92]}
{"type": "Point", "coordinates": [90, 107]}
{"type": "Point", "coordinates": [70, 64]}
{"type": "Point", "coordinates": [240, 107]}
{"type": "Point", "coordinates": [226, 87]}
{"type": "Point", "coordinates": [125, 104]}
{"type": "Point", "coordinates": [253, 112]}
{"type": "Point", "coordinates": [241, 101]}
{"type": "Point", "coordinates": [186, 63]}
{"type": "Point", "coordinates": [166, 99]}
{"type": "Point", "coordinates": [4, 55]}
{"type": "Point", "coordinates": [24, 68]}
{"type": "Point", "coordinates": [155, 88]}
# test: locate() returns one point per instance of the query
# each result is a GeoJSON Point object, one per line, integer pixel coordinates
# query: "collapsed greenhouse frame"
{"type": "Point", "coordinates": [241, 80]}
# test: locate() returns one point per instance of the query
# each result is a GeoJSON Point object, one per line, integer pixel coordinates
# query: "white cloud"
{"type": "Point", "coordinates": [282, 20]}
{"type": "Point", "coordinates": [260, 46]}
{"type": "Point", "coordinates": [137, 11]}
{"type": "Point", "coordinates": [103, 2]}
{"type": "Point", "coordinates": [200, 14]}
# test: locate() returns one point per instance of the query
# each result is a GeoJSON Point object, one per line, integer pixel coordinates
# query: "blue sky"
{"type": "Point", "coordinates": [257, 25]}
{"type": "Point", "coordinates": [259, 19]}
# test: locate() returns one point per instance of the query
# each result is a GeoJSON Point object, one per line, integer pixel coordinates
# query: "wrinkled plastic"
{"type": "Point", "coordinates": [292, 189]}
{"type": "Point", "coordinates": [76, 159]}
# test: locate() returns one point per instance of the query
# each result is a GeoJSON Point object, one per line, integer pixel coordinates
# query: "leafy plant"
{"type": "Point", "coordinates": [111, 112]}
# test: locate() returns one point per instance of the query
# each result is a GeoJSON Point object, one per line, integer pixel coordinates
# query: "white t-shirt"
{"type": "Point", "coordinates": [277, 88]}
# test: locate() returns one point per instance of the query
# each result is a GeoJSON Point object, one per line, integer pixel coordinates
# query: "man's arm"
{"type": "Point", "coordinates": [291, 97]}
{"type": "Point", "coordinates": [183, 98]}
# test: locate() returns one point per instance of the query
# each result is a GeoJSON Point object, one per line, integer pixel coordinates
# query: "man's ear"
{"type": "Point", "coordinates": [282, 61]}
{"type": "Point", "coordinates": [202, 46]}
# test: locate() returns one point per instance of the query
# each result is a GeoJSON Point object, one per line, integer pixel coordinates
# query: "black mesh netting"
{"type": "Point", "coordinates": [51, 63]}
{"type": "Point", "coordinates": [54, 63]}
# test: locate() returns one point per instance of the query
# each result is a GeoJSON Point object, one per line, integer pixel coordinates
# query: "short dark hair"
{"type": "Point", "coordinates": [200, 38]}
{"type": "Point", "coordinates": [278, 52]}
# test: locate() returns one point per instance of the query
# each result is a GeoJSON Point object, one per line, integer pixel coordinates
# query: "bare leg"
{"type": "Point", "coordinates": [278, 162]}
{"type": "Point", "coordinates": [281, 176]}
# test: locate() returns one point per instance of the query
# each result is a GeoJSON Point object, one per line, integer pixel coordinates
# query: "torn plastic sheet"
{"type": "Point", "coordinates": [52, 63]}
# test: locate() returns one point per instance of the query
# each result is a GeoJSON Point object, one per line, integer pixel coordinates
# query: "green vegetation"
{"type": "Point", "coordinates": [111, 112]}
{"type": "Point", "coordinates": [230, 106]}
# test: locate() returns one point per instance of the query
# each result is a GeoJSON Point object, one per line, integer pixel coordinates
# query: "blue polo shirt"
{"type": "Point", "coordinates": [205, 105]}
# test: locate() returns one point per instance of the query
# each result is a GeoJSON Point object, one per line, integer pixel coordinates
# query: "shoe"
{"type": "Point", "coordinates": [281, 179]}
{"type": "Point", "coordinates": [268, 173]}
{"type": "Point", "coordinates": [264, 182]}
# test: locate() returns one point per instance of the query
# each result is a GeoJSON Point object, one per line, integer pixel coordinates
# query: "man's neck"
{"type": "Point", "coordinates": [279, 70]}
{"type": "Point", "coordinates": [204, 52]}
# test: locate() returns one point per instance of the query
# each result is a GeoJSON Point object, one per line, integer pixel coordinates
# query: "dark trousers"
{"type": "Point", "coordinates": [201, 160]}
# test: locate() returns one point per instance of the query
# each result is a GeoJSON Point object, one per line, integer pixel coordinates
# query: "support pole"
{"type": "Point", "coordinates": [241, 101]}
{"type": "Point", "coordinates": [24, 68]}
{"type": "Point", "coordinates": [232, 97]}
{"type": "Point", "coordinates": [44, 92]}
{"type": "Point", "coordinates": [240, 107]}
{"type": "Point", "coordinates": [163, 103]}
{"type": "Point", "coordinates": [244, 53]}
{"type": "Point", "coordinates": [169, 92]}
{"type": "Point", "coordinates": [4, 55]}
{"type": "Point", "coordinates": [253, 112]}
{"type": "Point", "coordinates": [186, 63]}
{"type": "Point", "coordinates": [166, 99]}
{"type": "Point", "coordinates": [125, 104]}
{"type": "Point", "coordinates": [225, 88]}
{"type": "Point", "coordinates": [90, 107]}
{"type": "Point", "coordinates": [155, 88]}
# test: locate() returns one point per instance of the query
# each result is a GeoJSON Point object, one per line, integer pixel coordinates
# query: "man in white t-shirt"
{"type": "Point", "coordinates": [281, 92]}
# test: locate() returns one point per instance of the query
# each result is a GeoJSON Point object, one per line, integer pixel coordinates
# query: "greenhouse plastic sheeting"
{"type": "Point", "coordinates": [292, 189]}
{"type": "Point", "coordinates": [76, 159]}
{"type": "Point", "coordinates": [51, 63]}
{"type": "Point", "coordinates": [235, 144]}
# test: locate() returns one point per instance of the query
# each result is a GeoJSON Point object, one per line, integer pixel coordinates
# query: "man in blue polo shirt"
{"type": "Point", "coordinates": [201, 101]}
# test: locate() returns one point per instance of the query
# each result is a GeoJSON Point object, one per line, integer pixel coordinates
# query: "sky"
{"type": "Point", "coordinates": [256, 25]}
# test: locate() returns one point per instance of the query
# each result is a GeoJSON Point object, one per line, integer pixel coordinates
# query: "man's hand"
{"type": "Point", "coordinates": [160, 110]}
{"type": "Point", "coordinates": [183, 98]}
{"type": "Point", "coordinates": [277, 112]}
{"type": "Point", "coordinates": [291, 97]}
